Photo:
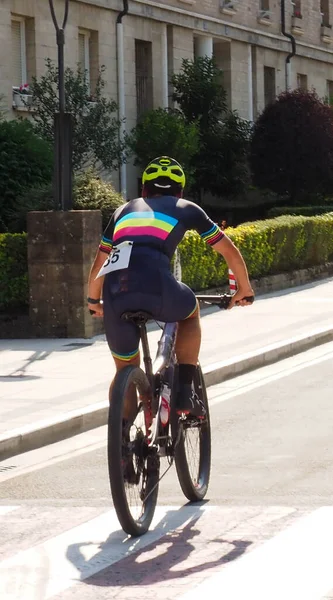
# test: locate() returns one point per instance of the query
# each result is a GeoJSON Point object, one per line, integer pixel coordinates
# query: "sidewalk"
{"type": "Point", "coordinates": [50, 389]}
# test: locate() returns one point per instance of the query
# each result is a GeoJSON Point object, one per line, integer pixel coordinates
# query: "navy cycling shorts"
{"type": "Point", "coordinates": [152, 289]}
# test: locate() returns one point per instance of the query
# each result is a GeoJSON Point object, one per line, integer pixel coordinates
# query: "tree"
{"type": "Point", "coordinates": [26, 161]}
{"type": "Point", "coordinates": [292, 146]}
{"type": "Point", "coordinates": [95, 128]}
{"type": "Point", "coordinates": [220, 166]}
{"type": "Point", "coordinates": [164, 132]}
{"type": "Point", "coordinates": [199, 91]}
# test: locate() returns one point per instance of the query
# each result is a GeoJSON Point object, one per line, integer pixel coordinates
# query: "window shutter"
{"type": "Point", "coordinates": [17, 70]}
{"type": "Point", "coordinates": [82, 53]}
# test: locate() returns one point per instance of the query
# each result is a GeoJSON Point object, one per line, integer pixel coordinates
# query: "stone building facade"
{"type": "Point", "coordinates": [244, 36]}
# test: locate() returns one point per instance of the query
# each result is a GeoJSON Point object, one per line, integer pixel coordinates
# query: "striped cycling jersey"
{"type": "Point", "coordinates": [159, 223]}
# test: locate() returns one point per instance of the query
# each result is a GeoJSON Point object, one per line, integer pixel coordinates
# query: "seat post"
{"type": "Point", "coordinates": [145, 349]}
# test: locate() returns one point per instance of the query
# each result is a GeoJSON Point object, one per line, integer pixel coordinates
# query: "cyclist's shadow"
{"type": "Point", "coordinates": [161, 560]}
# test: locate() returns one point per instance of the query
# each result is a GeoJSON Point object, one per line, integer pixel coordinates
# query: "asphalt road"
{"type": "Point", "coordinates": [272, 474]}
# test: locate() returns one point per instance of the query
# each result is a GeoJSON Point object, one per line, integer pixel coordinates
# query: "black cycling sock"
{"type": "Point", "coordinates": [186, 374]}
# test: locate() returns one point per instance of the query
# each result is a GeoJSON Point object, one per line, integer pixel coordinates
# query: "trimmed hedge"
{"type": "Point", "coordinates": [14, 290]}
{"type": "Point", "coordinates": [305, 211]}
{"type": "Point", "coordinates": [269, 247]}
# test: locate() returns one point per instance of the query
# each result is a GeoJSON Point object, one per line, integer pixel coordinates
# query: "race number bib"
{"type": "Point", "coordinates": [118, 258]}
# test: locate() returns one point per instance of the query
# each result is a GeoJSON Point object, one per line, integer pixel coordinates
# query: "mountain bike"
{"type": "Point", "coordinates": [155, 432]}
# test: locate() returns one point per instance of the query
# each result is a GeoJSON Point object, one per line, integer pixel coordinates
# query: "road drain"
{"type": "Point", "coordinates": [9, 468]}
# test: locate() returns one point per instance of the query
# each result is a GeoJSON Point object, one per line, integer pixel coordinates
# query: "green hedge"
{"type": "Point", "coordinates": [268, 247]}
{"type": "Point", "coordinates": [305, 211]}
{"type": "Point", "coordinates": [14, 292]}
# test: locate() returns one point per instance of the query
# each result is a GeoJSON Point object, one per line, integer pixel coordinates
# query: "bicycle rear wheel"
{"type": "Point", "coordinates": [133, 467]}
{"type": "Point", "coordinates": [193, 450]}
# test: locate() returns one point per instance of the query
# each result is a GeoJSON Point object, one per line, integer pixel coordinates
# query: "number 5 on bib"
{"type": "Point", "coordinates": [118, 258]}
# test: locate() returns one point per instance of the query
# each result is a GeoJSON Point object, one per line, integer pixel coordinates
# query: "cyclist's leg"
{"type": "Point", "coordinates": [189, 338]}
{"type": "Point", "coordinates": [131, 399]}
{"type": "Point", "coordinates": [121, 293]}
{"type": "Point", "coordinates": [123, 340]}
{"type": "Point", "coordinates": [181, 305]}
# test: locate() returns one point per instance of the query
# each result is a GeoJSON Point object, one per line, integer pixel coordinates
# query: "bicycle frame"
{"type": "Point", "coordinates": [165, 349]}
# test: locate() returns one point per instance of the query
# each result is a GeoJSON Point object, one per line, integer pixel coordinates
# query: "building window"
{"type": "Point", "coordinates": [269, 85]}
{"type": "Point", "coordinates": [325, 13]}
{"type": "Point", "coordinates": [88, 57]}
{"type": "Point", "coordinates": [302, 81]}
{"type": "Point", "coordinates": [297, 9]}
{"type": "Point", "coordinates": [330, 92]}
{"type": "Point", "coordinates": [170, 42]}
{"type": "Point", "coordinates": [144, 76]}
{"type": "Point", "coordinates": [264, 11]}
{"type": "Point", "coordinates": [84, 54]}
{"type": "Point", "coordinates": [19, 52]}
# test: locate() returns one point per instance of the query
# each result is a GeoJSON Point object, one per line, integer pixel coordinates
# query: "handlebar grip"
{"type": "Point", "coordinates": [249, 299]}
{"type": "Point", "coordinates": [226, 299]}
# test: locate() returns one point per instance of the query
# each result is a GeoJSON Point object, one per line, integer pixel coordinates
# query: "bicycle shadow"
{"type": "Point", "coordinates": [20, 373]}
{"type": "Point", "coordinates": [157, 561]}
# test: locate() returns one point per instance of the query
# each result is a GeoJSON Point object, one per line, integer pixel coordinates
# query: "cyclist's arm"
{"type": "Point", "coordinates": [197, 218]}
{"type": "Point", "coordinates": [236, 263]}
{"type": "Point", "coordinates": [95, 285]}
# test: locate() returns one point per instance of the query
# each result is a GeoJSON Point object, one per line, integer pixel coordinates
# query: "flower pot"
{"type": "Point", "coordinates": [22, 100]}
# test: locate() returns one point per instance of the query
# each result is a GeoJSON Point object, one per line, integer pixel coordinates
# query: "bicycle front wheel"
{"type": "Point", "coordinates": [133, 466]}
{"type": "Point", "coordinates": [193, 450]}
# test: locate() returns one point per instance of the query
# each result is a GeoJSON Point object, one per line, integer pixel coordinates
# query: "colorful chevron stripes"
{"type": "Point", "coordinates": [125, 357]}
{"type": "Point", "coordinates": [213, 235]}
{"type": "Point", "coordinates": [154, 224]}
{"type": "Point", "coordinates": [105, 245]}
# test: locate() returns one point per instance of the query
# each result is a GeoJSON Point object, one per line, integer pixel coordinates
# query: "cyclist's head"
{"type": "Point", "coordinates": [163, 177]}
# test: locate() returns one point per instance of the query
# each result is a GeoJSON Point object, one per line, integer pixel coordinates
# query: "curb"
{"type": "Point", "coordinates": [95, 415]}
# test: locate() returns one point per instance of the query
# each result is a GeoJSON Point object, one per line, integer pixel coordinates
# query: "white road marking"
{"type": "Point", "coordinates": [267, 375]}
{"type": "Point", "coordinates": [294, 565]}
{"type": "Point", "coordinates": [66, 559]}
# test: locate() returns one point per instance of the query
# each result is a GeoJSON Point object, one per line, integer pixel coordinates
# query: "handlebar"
{"type": "Point", "coordinates": [221, 300]}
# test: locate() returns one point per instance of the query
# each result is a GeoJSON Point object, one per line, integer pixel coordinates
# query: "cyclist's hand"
{"type": "Point", "coordinates": [97, 310]}
{"type": "Point", "coordinates": [240, 297]}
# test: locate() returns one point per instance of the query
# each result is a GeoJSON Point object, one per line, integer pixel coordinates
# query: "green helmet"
{"type": "Point", "coordinates": [161, 169]}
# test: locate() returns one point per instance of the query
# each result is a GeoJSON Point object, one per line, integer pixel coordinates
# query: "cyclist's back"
{"type": "Point", "coordinates": [146, 232]}
{"type": "Point", "coordinates": [157, 224]}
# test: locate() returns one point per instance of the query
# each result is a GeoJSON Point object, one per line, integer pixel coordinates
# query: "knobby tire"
{"type": "Point", "coordinates": [133, 526]}
{"type": "Point", "coordinates": [194, 488]}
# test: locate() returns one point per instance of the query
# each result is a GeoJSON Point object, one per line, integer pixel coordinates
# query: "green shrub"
{"type": "Point", "coordinates": [269, 247]}
{"type": "Point", "coordinates": [25, 161]}
{"type": "Point", "coordinates": [305, 211]}
{"type": "Point", "coordinates": [92, 193]}
{"type": "Point", "coordinates": [14, 292]}
{"type": "Point", "coordinates": [89, 193]}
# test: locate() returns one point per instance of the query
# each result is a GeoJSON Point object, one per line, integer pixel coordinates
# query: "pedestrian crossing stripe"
{"type": "Point", "coordinates": [59, 562]}
{"type": "Point", "coordinates": [294, 565]}
{"type": "Point", "coordinates": [293, 561]}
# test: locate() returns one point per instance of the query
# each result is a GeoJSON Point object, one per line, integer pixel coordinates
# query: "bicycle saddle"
{"type": "Point", "coordinates": [137, 317]}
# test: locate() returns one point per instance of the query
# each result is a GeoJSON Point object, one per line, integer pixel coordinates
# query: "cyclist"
{"type": "Point", "coordinates": [146, 232]}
